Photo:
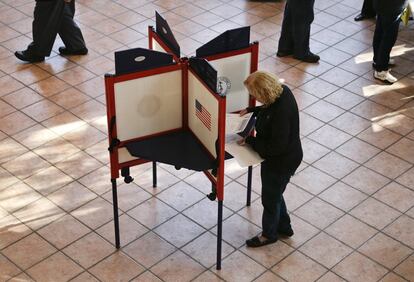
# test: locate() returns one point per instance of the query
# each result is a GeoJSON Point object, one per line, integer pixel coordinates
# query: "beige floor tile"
{"type": "Point", "coordinates": [342, 196]}
{"type": "Point", "coordinates": [15, 122]}
{"type": "Point", "coordinates": [78, 165]}
{"type": "Point", "coordinates": [303, 232]}
{"type": "Point", "coordinates": [269, 276]}
{"type": "Point", "coordinates": [324, 111]}
{"type": "Point", "coordinates": [33, 245]}
{"type": "Point", "coordinates": [392, 277]}
{"type": "Point", "coordinates": [8, 84]}
{"type": "Point", "coordinates": [363, 268]}
{"type": "Point", "coordinates": [396, 196]}
{"type": "Point", "coordinates": [63, 231]}
{"type": "Point", "coordinates": [11, 230]}
{"type": "Point", "coordinates": [56, 150]}
{"type": "Point", "coordinates": [10, 149]}
{"type": "Point", "coordinates": [43, 110]}
{"type": "Point", "coordinates": [318, 213]}
{"type": "Point", "coordinates": [97, 181]}
{"type": "Point", "coordinates": [88, 250]}
{"type": "Point", "coordinates": [398, 123]}
{"type": "Point", "coordinates": [179, 230]}
{"type": "Point", "coordinates": [330, 277]}
{"type": "Point", "coordinates": [338, 76]}
{"type": "Point", "coordinates": [237, 194]}
{"type": "Point", "coordinates": [70, 98]}
{"type": "Point", "coordinates": [308, 124]}
{"type": "Point", "coordinates": [205, 213]}
{"type": "Point", "coordinates": [145, 214]}
{"type": "Point", "coordinates": [17, 196]}
{"type": "Point", "coordinates": [8, 269]}
{"type": "Point", "coordinates": [325, 250]}
{"type": "Point", "coordinates": [117, 267]}
{"type": "Point", "coordinates": [49, 86]}
{"type": "Point", "coordinates": [344, 99]}
{"type": "Point", "coordinates": [336, 165]}
{"type": "Point", "coordinates": [358, 150]}
{"type": "Point", "coordinates": [203, 249]}
{"type": "Point", "coordinates": [296, 77]}
{"type": "Point", "coordinates": [146, 277]}
{"type": "Point", "coordinates": [75, 75]}
{"type": "Point", "coordinates": [93, 87]}
{"type": "Point", "coordinates": [370, 110]}
{"type": "Point", "coordinates": [366, 180]}
{"type": "Point", "coordinates": [30, 75]}
{"type": "Point", "coordinates": [298, 267]}
{"type": "Point", "coordinates": [388, 165]}
{"type": "Point", "coordinates": [239, 267]}
{"type": "Point", "coordinates": [369, 210]}
{"type": "Point", "coordinates": [329, 136]}
{"type": "Point", "coordinates": [236, 230]}
{"type": "Point", "coordinates": [56, 268]}
{"type": "Point", "coordinates": [385, 250]}
{"type": "Point", "coordinates": [295, 197]}
{"type": "Point", "coordinates": [63, 123]}
{"type": "Point", "coordinates": [72, 196]}
{"type": "Point", "coordinates": [21, 278]}
{"type": "Point", "coordinates": [7, 179]}
{"type": "Point", "coordinates": [35, 136]}
{"type": "Point", "coordinates": [84, 277]}
{"type": "Point", "coordinates": [95, 213]}
{"type": "Point", "coordinates": [407, 179]}
{"type": "Point", "coordinates": [269, 255]}
{"type": "Point", "coordinates": [406, 268]}
{"type": "Point", "coordinates": [351, 231]}
{"type": "Point", "coordinates": [402, 230]}
{"type": "Point", "coordinates": [403, 149]}
{"type": "Point", "coordinates": [313, 180]}
{"type": "Point", "coordinates": [129, 230]}
{"type": "Point", "coordinates": [180, 196]}
{"type": "Point", "coordinates": [48, 180]}
{"type": "Point", "coordinates": [149, 249]}
{"type": "Point", "coordinates": [379, 136]}
{"type": "Point", "coordinates": [129, 196]}
{"type": "Point", "coordinates": [19, 166]}
{"type": "Point", "coordinates": [22, 98]}
{"type": "Point", "coordinates": [252, 213]}
{"type": "Point", "coordinates": [56, 64]}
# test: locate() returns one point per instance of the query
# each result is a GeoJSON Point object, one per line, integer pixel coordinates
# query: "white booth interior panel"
{"type": "Point", "coordinates": [125, 156]}
{"type": "Point", "coordinates": [157, 47]}
{"type": "Point", "coordinates": [236, 69]}
{"type": "Point", "coordinates": [148, 105]}
{"type": "Point", "coordinates": [209, 104]}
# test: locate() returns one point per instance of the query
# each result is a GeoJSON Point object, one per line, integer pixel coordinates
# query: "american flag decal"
{"type": "Point", "coordinates": [203, 114]}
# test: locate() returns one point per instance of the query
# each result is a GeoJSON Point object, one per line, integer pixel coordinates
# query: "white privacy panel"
{"type": "Point", "coordinates": [234, 69]}
{"type": "Point", "coordinates": [148, 105]}
{"type": "Point", "coordinates": [157, 47]}
{"type": "Point", "coordinates": [202, 113]}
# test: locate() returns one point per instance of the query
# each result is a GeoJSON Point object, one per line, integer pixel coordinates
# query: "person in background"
{"type": "Point", "coordinates": [385, 36]}
{"type": "Point", "coordinates": [52, 17]}
{"type": "Point", "coordinates": [277, 141]}
{"type": "Point", "coordinates": [295, 33]}
{"type": "Point", "coordinates": [367, 11]}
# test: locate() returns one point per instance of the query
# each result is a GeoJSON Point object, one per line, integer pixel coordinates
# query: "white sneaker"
{"type": "Point", "coordinates": [385, 76]}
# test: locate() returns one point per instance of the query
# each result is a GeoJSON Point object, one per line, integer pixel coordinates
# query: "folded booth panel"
{"type": "Point", "coordinates": [203, 113]}
{"type": "Point", "coordinates": [148, 105]}
{"type": "Point", "coordinates": [232, 71]}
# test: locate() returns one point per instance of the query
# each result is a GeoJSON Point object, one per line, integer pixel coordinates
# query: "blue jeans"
{"type": "Point", "coordinates": [275, 215]}
{"type": "Point", "coordinates": [385, 35]}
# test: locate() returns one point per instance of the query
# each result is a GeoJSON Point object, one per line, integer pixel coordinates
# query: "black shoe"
{"type": "Point", "coordinates": [309, 58]}
{"type": "Point", "coordinates": [284, 53]}
{"type": "Point", "coordinates": [287, 232]}
{"type": "Point", "coordinates": [67, 52]}
{"type": "Point", "coordinates": [255, 242]}
{"type": "Point", "coordinates": [362, 17]}
{"type": "Point", "coordinates": [26, 57]}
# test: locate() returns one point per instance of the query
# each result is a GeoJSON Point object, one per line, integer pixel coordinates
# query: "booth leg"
{"type": "Point", "coordinates": [249, 185]}
{"type": "Point", "coordinates": [154, 174]}
{"type": "Point", "coordinates": [116, 219]}
{"type": "Point", "coordinates": [219, 233]}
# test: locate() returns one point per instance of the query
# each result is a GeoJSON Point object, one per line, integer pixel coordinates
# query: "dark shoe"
{"type": "Point", "coordinates": [255, 242]}
{"type": "Point", "coordinates": [67, 52]}
{"type": "Point", "coordinates": [310, 58]}
{"type": "Point", "coordinates": [284, 53]}
{"type": "Point", "coordinates": [362, 17]}
{"type": "Point", "coordinates": [287, 232]}
{"type": "Point", "coordinates": [26, 57]}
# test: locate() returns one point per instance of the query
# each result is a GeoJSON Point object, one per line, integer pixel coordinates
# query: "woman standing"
{"type": "Point", "coordinates": [277, 141]}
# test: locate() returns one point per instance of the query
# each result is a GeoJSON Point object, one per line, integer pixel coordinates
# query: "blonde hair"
{"type": "Point", "coordinates": [264, 86]}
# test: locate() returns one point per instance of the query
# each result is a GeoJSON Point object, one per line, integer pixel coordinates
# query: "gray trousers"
{"type": "Point", "coordinates": [52, 18]}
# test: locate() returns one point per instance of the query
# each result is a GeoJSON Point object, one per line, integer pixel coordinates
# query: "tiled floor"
{"type": "Point", "coordinates": [352, 202]}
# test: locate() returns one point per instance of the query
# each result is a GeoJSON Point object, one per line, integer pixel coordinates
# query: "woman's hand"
{"type": "Point", "coordinates": [241, 142]}
{"type": "Point", "coordinates": [243, 112]}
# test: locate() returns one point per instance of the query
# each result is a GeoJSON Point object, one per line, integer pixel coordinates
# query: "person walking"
{"type": "Point", "coordinates": [385, 35]}
{"type": "Point", "coordinates": [277, 141]}
{"type": "Point", "coordinates": [367, 11]}
{"type": "Point", "coordinates": [294, 38]}
{"type": "Point", "coordinates": [52, 17]}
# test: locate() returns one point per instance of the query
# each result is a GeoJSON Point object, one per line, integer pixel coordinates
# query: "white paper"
{"type": "Point", "coordinates": [244, 155]}
{"type": "Point", "coordinates": [236, 123]}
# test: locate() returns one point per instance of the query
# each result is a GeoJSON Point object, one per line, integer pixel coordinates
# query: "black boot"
{"type": "Point", "coordinates": [28, 57]}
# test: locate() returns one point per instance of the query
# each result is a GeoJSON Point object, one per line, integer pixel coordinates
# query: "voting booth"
{"type": "Point", "coordinates": [168, 109]}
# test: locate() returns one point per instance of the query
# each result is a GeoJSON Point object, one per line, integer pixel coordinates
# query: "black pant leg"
{"type": "Point", "coordinates": [301, 35]}
{"type": "Point", "coordinates": [273, 186]}
{"type": "Point", "coordinates": [41, 44]}
{"type": "Point", "coordinates": [286, 39]}
{"type": "Point", "coordinates": [69, 31]}
{"type": "Point", "coordinates": [387, 29]}
{"type": "Point", "coordinates": [368, 8]}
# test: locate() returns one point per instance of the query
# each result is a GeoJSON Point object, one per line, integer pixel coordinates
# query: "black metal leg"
{"type": "Point", "coordinates": [219, 233]}
{"type": "Point", "coordinates": [154, 174]}
{"type": "Point", "coordinates": [249, 185]}
{"type": "Point", "coordinates": [116, 219]}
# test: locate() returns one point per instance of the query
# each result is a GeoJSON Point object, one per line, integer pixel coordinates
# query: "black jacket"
{"type": "Point", "coordinates": [389, 7]}
{"type": "Point", "coordinates": [277, 134]}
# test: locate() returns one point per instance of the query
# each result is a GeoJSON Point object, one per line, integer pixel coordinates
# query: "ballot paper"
{"type": "Point", "coordinates": [238, 127]}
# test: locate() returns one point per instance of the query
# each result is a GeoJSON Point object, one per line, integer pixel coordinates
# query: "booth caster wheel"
{"type": "Point", "coordinates": [128, 179]}
{"type": "Point", "coordinates": [212, 196]}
